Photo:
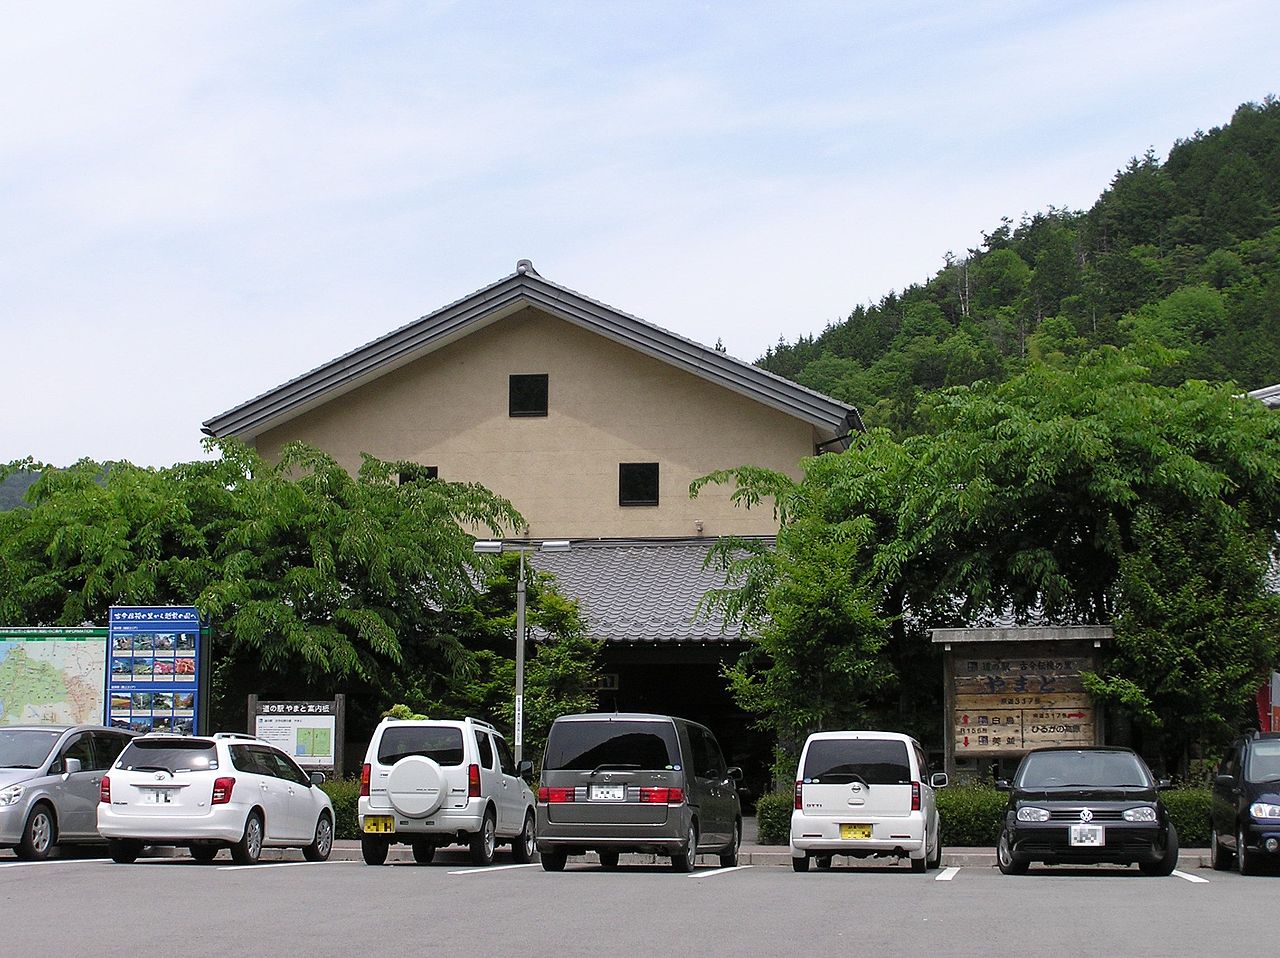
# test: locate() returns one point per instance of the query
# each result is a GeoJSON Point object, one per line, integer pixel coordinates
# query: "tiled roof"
{"type": "Point", "coordinates": [640, 590]}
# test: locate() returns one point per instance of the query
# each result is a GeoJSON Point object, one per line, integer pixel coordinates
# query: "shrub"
{"type": "Point", "coordinates": [1189, 810]}
{"type": "Point", "coordinates": [773, 818]}
{"type": "Point", "coordinates": [345, 795]}
{"type": "Point", "coordinates": [970, 815]}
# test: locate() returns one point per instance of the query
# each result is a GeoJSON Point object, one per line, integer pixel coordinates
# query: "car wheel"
{"type": "Point", "coordinates": [39, 835]}
{"type": "Point", "coordinates": [524, 844]}
{"type": "Point", "coordinates": [484, 841]}
{"type": "Point", "coordinates": [123, 852]}
{"type": "Point", "coordinates": [249, 848]}
{"type": "Point", "coordinates": [1009, 863]}
{"type": "Point", "coordinates": [204, 853]}
{"type": "Point", "coordinates": [1219, 857]}
{"type": "Point", "coordinates": [554, 861]}
{"type": "Point", "coordinates": [322, 844]}
{"type": "Point", "coordinates": [729, 857]}
{"type": "Point", "coordinates": [935, 860]}
{"type": "Point", "coordinates": [1246, 863]}
{"type": "Point", "coordinates": [374, 850]}
{"type": "Point", "coordinates": [1167, 864]}
{"type": "Point", "coordinates": [800, 864]}
{"type": "Point", "coordinates": [684, 859]}
{"type": "Point", "coordinates": [608, 860]}
{"type": "Point", "coordinates": [423, 852]}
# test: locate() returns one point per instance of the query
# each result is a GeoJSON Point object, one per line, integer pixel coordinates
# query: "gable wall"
{"type": "Point", "coordinates": [607, 404]}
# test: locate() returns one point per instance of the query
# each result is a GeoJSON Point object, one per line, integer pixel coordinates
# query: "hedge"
{"type": "Point", "coordinates": [345, 795]}
{"type": "Point", "coordinates": [971, 816]}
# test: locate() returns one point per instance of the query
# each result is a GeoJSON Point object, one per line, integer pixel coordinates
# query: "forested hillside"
{"type": "Point", "coordinates": [1183, 253]}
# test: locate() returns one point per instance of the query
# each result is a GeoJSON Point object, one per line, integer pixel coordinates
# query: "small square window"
{"type": "Point", "coordinates": [528, 395]}
{"type": "Point", "coordinates": [637, 483]}
{"type": "Point", "coordinates": [417, 474]}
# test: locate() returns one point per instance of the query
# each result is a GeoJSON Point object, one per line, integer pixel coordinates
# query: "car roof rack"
{"type": "Point", "coordinates": [252, 738]}
{"type": "Point", "coordinates": [481, 722]}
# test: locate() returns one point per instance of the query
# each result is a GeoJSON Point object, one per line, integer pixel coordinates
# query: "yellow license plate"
{"type": "Point", "coordinates": [379, 823]}
{"type": "Point", "coordinates": [855, 832]}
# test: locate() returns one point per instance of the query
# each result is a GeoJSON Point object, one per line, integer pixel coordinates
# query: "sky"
{"type": "Point", "coordinates": [199, 202]}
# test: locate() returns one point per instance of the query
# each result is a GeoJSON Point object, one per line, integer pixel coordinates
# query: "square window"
{"type": "Point", "coordinates": [528, 395]}
{"type": "Point", "coordinates": [637, 483]}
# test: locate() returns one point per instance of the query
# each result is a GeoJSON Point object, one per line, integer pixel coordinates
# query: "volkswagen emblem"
{"type": "Point", "coordinates": [1086, 815]}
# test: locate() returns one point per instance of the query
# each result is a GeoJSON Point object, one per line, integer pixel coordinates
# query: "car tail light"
{"type": "Point", "coordinates": [661, 796]}
{"type": "Point", "coordinates": [104, 790]}
{"type": "Point", "coordinates": [473, 781]}
{"type": "Point", "coordinates": [222, 790]}
{"type": "Point", "coordinates": [798, 804]}
{"type": "Point", "coordinates": [365, 774]}
{"type": "Point", "coordinates": [555, 795]}
{"type": "Point", "coordinates": [915, 796]}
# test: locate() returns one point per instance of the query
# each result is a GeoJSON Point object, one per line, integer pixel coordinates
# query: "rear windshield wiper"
{"type": "Point", "coordinates": [150, 768]}
{"type": "Point", "coordinates": [613, 766]}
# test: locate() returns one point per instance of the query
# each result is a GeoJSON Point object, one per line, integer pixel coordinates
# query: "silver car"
{"type": "Point", "coordinates": [50, 777]}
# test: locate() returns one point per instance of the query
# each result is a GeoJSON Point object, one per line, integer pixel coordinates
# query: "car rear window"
{"type": "Point", "coordinates": [26, 747]}
{"type": "Point", "coordinates": [838, 761]}
{"type": "Point", "coordinates": [1264, 761]}
{"type": "Point", "coordinates": [441, 744]}
{"type": "Point", "coordinates": [168, 754]}
{"type": "Point", "coordinates": [1083, 768]}
{"type": "Point", "coordinates": [615, 744]}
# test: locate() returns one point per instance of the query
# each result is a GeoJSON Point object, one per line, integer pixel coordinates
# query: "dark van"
{"type": "Point", "coordinates": [634, 782]}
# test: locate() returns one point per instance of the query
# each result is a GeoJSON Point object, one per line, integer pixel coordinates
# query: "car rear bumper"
{"type": "Point", "coordinates": [666, 836]}
{"type": "Point", "coordinates": [222, 824]}
{"type": "Point", "coordinates": [449, 822]}
{"type": "Point", "coordinates": [1125, 843]}
{"type": "Point", "coordinates": [814, 835]}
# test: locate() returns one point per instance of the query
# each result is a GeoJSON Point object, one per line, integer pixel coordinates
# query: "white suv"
{"type": "Point", "coordinates": [223, 791]}
{"type": "Point", "coordinates": [433, 783]}
{"type": "Point", "coordinates": [865, 794]}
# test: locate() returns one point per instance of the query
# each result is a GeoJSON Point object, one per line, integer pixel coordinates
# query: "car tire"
{"type": "Point", "coordinates": [800, 864]}
{"type": "Point", "coordinates": [554, 861]}
{"type": "Point", "coordinates": [204, 853]}
{"type": "Point", "coordinates": [423, 852]}
{"type": "Point", "coordinates": [1246, 861]}
{"type": "Point", "coordinates": [39, 834]}
{"type": "Point", "coordinates": [1219, 857]}
{"type": "Point", "coordinates": [608, 860]}
{"type": "Point", "coordinates": [729, 856]}
{"type": "Point", "coordinates": [1167, 864]}
{"type": "Point", "coordinates": [485, 841]}
{"type": "Point", "coordinates": [935, 860]}
{"type": "Point", "coordinates": [525, 844]}
{"type": "Point", "coordinates": [249, 848]}
{"type": "Point", "coordinates": [687, 856]}
{"type": "Point", "coordinates": [123, 852]}
{"type": "Point", "coordinates": [1008, 862]}
{"type": "Point", "coordinates": [322, 844]}
{"type": "Point", "coordinates": [374, 850]}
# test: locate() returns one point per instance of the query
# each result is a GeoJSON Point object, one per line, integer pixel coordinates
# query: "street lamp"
{"type": "Point", "coordinates": [492, 547]}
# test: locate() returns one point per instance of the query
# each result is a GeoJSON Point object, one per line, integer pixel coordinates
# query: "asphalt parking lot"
{"type": "Point", "coordinates": [169, 905]}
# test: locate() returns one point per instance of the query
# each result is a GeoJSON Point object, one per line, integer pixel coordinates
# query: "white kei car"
{"type": "Point", "coordinates": [228, 790]}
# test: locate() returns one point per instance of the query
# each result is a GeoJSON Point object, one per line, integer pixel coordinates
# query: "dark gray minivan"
{"type": "Point", "coordinates": [634, 782]}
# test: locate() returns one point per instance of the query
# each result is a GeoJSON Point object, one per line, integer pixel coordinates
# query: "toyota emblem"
{"type": "Point", "coordinates": [1086, 815]}
{"type": "Point", "coordinates": [856, 787]}
{"type": "Point", "coordinates": [159, 776]}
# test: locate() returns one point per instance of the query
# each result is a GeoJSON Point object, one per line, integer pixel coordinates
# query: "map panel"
{"type": "Point", "coordinates": [52, 676]}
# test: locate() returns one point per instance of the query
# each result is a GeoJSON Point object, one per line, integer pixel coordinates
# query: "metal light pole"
{"type": "Point", "coordinates": [490, 546]}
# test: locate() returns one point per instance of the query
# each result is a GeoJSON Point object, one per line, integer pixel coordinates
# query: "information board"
{"type": "Point", "coordinates": [154, 682]}
{"type": "Point", "coordinates": [311, 732]}
{"type": "Point", "coordinates": [52, 676]}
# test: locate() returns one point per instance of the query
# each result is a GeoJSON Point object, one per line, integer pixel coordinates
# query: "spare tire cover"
{"type": "Point", "coordinates": [416, 786]}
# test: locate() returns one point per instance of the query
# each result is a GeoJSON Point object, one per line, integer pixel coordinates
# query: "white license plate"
{"type": "Point", "coordinates": [608, 793]}
{"type": "Point", "coordinates": [1087, 835]}
{"type": "Point", "coordinates": [157, 796]}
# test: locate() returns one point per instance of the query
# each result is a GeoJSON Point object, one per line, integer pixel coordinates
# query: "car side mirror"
{"type": "Point", "coordinates": [734, 773]}
{"type": "Point", "coordinates": [938, 780]}
{"type": "Point", "coordinates": [1002, 785]}
{"type": "Point", "coordinates": [317, 778]}
{"type": "Point", "coordinates": [525, 770]}
{"type": "Point", "coordinates": [1227, 780]}
{"type": "Point", "coordinates": [71, 765]}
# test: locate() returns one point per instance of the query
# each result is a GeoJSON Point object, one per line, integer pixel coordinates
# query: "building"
{"type": "Point", "coordinates": [593, 423]}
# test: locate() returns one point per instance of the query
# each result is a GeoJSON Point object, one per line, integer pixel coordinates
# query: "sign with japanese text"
{"type": "Point", "coordinates": [308, 731]}
{"type": "Point", "coordinates": [154, 681]}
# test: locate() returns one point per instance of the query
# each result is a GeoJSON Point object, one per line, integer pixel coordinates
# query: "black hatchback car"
{"type": "Point", "coordinates": [1246, 805]}
{"type": "Point", "coordinates": [1085, 806]}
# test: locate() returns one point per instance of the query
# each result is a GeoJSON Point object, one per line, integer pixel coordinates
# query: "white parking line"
{"type": "Point", "coordinates": [54, 861]}
{"type": "Point", "coordinates": [1192, 878]}
{"type": "Point", "coordinates": [947, 874]}
{"type": "Point", "coordinates": [492, 868]}
{"type": "Point", "coordinates": [712, 873]}
{"type": "Point", "coordinates": [260, 865]}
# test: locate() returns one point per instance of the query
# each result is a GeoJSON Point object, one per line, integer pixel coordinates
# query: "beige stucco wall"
{"type": "Point", "coordinates": [607, 404]}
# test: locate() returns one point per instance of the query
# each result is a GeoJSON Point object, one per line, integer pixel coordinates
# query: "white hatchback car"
{"type": "Point", "coordinates": [208, 793]}
{"type": "Point", "coordinates": [432, 783]}
{"type": "Point", "coordinates": [864, 794]}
